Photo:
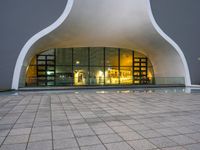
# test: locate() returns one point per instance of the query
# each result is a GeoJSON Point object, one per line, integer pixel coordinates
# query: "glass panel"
{"type": "Point", "coordinates": [41, 57]}
{"type": "Point", "coordinates": [136, 64]}
{"type": "Point", "coordinates": [143, 60]}
{"type": "Point", "coordinates": [42, 83]}
{"type": "Point", "coordinates": [41, 78]}
{"type": "Point", "coordinates": [111, 75]}
{"type": "Point", "coordinates": [64, 76]}
{"type": "Point", "coordinates": [80, 75]}
{"type": "Point", "coordinates": [50, 68]}
{"type": "Point", "coordinates": [50, 83]}
{"type": "Point", "coordinates": [126, 58]}
{"type": "Point", "coordinates": [47, 63]}
{"type": "Point", "coordinates": [50, 78]}
{"type": "Point", "coordinates": [50, 73]}
{"type": "Point", "coordinates": [143, 68]}
{"type": "Point", "coordinates": [50, 57]}
{"type": "Point", "coordinates": [126, 75]}
{"type": "Point", "coordinates": [111, 55]}
{"type": "Point", "coordinates": [63, 56]}
{"type": "Point", "coordinates": [41, 62]}
{"type": "Point", "coordinates": [143, 64]}
{"type": "Point", "coordinates": [50, 62]}
{"type": "Point", "coordinates": [96, 76]}
{"type": "Point", "coordinates": [41, 67]}
{"type": "Point", "coordinates": [80, 56]}
{"type": "Point", "coordinates": [41, 73]}
{"type": "Point", "coordinates": [96, 57]}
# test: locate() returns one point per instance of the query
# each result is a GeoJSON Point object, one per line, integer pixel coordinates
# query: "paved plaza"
{"type": "Point", "coordinates": [100, 121]}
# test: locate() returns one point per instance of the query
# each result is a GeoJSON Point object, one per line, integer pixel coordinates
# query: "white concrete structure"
{"type": "Point", "coordinates": [109, 23]}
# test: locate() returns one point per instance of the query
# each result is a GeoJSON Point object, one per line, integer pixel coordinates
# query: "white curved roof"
{"type": "Point", "coordinates": [109, 23]}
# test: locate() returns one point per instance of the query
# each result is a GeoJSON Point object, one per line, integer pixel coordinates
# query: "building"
{"type": "Point", "coordinates": [92, 42]}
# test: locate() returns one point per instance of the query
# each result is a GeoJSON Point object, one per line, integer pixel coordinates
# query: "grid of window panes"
{"type": "Point", "coordinates": [88, 66]}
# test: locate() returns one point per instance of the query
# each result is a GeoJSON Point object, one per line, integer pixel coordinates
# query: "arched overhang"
{"type": "Point", "coordinates": [108, 23]}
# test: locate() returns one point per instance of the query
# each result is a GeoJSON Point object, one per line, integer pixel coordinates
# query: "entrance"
{"type": "Point", "coordinates": [89, 66]}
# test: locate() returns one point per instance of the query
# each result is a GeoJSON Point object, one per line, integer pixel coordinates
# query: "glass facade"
{"type": "Point", "coordinates": [89, 66]}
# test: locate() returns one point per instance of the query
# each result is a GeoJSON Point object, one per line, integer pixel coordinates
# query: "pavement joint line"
{"type": "Point", "coordinates": [90, 128]}
{"type": "Point", "coordinates": [51, 122]}
{"type": "Point", "coordinates": [33, 123]}
{"type": "Point", "coordinates": [68, 121]}
{"type": "Point", "coordinates": [17, 119]}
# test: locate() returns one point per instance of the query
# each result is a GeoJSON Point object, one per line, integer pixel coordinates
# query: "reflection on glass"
{"type": "Point", "coordinates": [96, 57]}
{"type": "Point", "coordinates": [111, 75]}
{"type": "Point", "coordinates": [41, 62]}
{"type": "Point", "coordinates": [63, 56]}
{"type": "Point", "coordinates": [80, 76]}
{"type": "Point", "coordinates": [111, 57]}
{"type": "Point", "coordinates": [126, 58]}
{"type": "Point", "coordinates": [64, 75]}
{"type": "Point", "coordinates": [126, 75]}
{"type": "Point", "coordinates": [41, 57]}
{"type": "Point", "coordinates": [80, 56]}
{"type": "Point", "coordinates": [96, 76]}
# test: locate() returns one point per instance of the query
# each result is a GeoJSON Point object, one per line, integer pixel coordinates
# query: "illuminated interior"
{"type": "Point", "coordinates": [89, 66]}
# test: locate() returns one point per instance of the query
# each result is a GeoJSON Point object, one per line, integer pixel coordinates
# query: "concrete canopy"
{"type": "Point", "coordinates": [109, 23]}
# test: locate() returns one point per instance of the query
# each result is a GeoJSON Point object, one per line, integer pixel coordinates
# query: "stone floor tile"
{"type": "Point", "coordinates": [149, 133]}
{"type": "Point", "coordinates": [182, 139]}
{"type": "Point", "coordinates": [99, 125]}
{"type": "Point", "coordinates": [83, 132]}
{"type": "Point", "coordinates": [162, 142]}
{"type": "Point", "coordinates": [13, 139]}
{"type": "Point", "coordinates": [118, 146]}
{"type": "Point", "coordinates": [129, 136]}
{"type": "Point", "coordinates": [42, 124]}
{"type": "Point", "coordinates": [183, 130]}
{"type": "Point", "coordinates": [103, 131]}
{"type": "Point", "coordinates": [40, 137]}
{"type": "Point", "coordinates": [130, 121]}
{"type": "Point", "coordinates": [138, 127]}
{"type": "Point", "coordinates": [119, 129]}
{"type": "Point", "coordinates": [47, 145]}
{"type": "Point", "coordinates": [65, 143]}
{"type": "Point", "coordinates": [167, 131]}
{"type": "Point", "coordinates": [141, 145]}
{"type": "Point", "coordinates": [61, 128]}
{"type": "Point", "coordinates": [13, 147]}
{"type": "Point", "coordinates": [110, 115]}
{"type": "Point", "coordinates": [174, 148]}
{"type": "Point", "coordinates": [195, 136]}
{"type": "Point", "coordinates": [23, 125]}
{"type": "Point", "coordinates": [115, 123]}
{"type": "Point", "coordinates": [94, 147]}
{"type": "Point", "coordinates": [20, 131]}
{"type": "Point", "coordinates": [63, 135]}
{"type": "Point", "coordinates": [45, 129]}
{"type": "Point", "coordinates": [80, 126]}
{"type": "Point", "coordinates": [4, 132]}
{"type": "Point", "coordinates": [110, 138]}
{"type": "Point", "coordinates": [193, 146]}
{"type": "Point", "coordinates": [88, 140]}
{"type": "Point", "coordinates": [68, 149]}
{"type": "Point", "coordinates": [2, 139]}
